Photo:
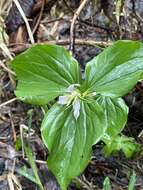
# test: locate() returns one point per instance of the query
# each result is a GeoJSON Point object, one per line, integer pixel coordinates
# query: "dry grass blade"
{"type": "Point", "coordinates": [6, 50]}
{"type": "Point", "coordinates": [8, 102]}
{"type": "Point", "coordinates": [10, 182]}
{"type": "Point", "coordinates": [13, 181]}
{"type": "Point", "coordinates": [3, 177]}
{"type": "Point", "coordinates": [25, 20]}
{"type": "Point", "coordinates": [4, 8]}
{"type": "Point", "coordinates": [7, 69]}
{"type": "Point", "coordinates": [5, 5]}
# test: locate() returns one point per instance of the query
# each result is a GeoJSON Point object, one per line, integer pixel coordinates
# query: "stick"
{"type": "Point", "coordinates": [39, 18]}
{"type": "Point", "coordinates": [18, 47]}
{"type": "Point", "coordinates": [99, 44]}
{"type": "Point", "coordinates": [73, 24]}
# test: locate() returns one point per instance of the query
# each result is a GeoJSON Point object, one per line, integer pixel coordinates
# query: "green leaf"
{"type": "Point", "coordinates": [116, 112]}
{"type": "Point", "coordinates": [132, 181]}
{"type": "Point", "coordinates": [44, 72]}
{"type": "Point", "coordinates": [18, 144]}
{"type": "Point", "coordinates": [126, 144]}
{"type": "Point", "coordinates": [33, 166]}
{"type": "Point", "coordinates": [69, 140]}
{"type": "Point", "coordinates": [24, 171]}
{"type": "Point", "coordinates": [116, 70]}
{"type": "Point", "coordinates": [106, 184]}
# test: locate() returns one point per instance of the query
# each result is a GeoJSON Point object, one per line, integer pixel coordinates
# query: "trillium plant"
{"type": "Point", "coordinates": [88, 107]}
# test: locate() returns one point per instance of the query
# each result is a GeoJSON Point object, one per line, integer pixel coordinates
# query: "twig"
{"type": "Point", "coordinates": [96, 26]}
{"type": "Point", "coordinates": [52, 20]}
{"type": "Point", "coordinates": [39, 18]}
{"type": "Point", "coordinates": [7, 69]}
{"type": "Point", "coordinates": [25, 20]}
{"type": "Point", "coordinates": [68, 6]}
{"type": "Point", "coordinates": [72, 29]}
{"type": "Point", "coordinates": [13, 127]}
{"type": "Point", "coordinates": [37, 161]}
{"type": "Point", "coordinates": [38, 5]}
{"type": "Point", "coordinates": [8, 102]}
{"type": "Point", "coordinates": [100, 44]}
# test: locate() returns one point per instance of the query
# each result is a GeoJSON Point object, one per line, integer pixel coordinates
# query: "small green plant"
{"type": "Point", "coordinates": [34, 177]}
{"type": "Point", "coordinates": [88, 109]}
{"type": "Point", "coordinates": [106, 184]}
{"type": "Point", "coordinates": [120, 142]}
{"type": "Point", "coordinates": [132, 181]}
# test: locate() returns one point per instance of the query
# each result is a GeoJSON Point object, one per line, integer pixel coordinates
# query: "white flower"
{"type": "Point", "coordinates": [63, 100]}
{"type": "Point", "coordinates": [76, 108]}
{"type": "Point", "coordinates": [71, 88]}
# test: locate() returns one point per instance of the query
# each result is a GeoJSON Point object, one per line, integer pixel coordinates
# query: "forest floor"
{"type": "Point", "coordinates": [96, 27]}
